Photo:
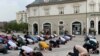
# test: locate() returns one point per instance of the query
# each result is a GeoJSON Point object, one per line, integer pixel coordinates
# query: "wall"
{"type": "Point", "coordinates": [68, 9]}
{"type": "Point", "coordinates": [54, 20]}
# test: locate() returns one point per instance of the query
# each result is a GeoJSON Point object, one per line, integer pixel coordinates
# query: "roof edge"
{"type": "Point", "coordinates": [52, 3]}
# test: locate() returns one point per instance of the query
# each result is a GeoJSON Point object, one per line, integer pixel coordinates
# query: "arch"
{"type": "Point", "coordinates": [76, 28]}
{"type": "Point", "coordinates": [47, 28]}
{"type": "Point", "coordinates": [35, 28]}
{"type": "Point", "coordinates": [91, 24]}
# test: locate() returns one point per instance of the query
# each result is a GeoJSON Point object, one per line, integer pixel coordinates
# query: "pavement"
{"type": "Point", "coordinates": [62, 51]}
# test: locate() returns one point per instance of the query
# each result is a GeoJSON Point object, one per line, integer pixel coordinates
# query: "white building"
{"type": "Point", "coordinates": [21, 17]}
{"type": "Point", "coordinates": [60, 15]}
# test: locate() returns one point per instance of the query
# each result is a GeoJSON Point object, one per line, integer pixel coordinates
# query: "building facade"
{"type": "Point", "coordinates": [75, 16]}
{"type": "Point", "coordinates": [21, 17]}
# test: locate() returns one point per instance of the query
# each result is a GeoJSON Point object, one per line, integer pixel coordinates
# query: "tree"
{"type": "Point", "coordinates": [13, 26]}
{"type": "Point", "coordinates": [23, 27]}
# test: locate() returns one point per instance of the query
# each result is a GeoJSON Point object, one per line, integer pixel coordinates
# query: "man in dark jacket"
{"type": "Point", "coordinates": [91, 44]}
{"type": "Point", "coordinates": [3, 48]}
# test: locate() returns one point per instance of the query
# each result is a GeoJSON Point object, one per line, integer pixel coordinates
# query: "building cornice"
{"type": "Point", "coordinates": [89, 13]}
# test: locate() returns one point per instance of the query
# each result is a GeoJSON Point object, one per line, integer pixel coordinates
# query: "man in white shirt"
{"type": "Point", "coordinates": [62, 40]}
{"type": "Point", "coordinates": [67, 38]}
{"type": "Point", "coordinates": [25, 50]}
{"type": "Point", "coordinates": [12, 45]}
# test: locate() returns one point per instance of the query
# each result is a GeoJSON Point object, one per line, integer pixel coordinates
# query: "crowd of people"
{"type": "Point", "coordinates": [18, 42]}
{"type": "Point", "coordinates": [46, 42]}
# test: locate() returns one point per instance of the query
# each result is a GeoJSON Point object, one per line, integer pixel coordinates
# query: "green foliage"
{"type": "Point", "coordinates": [13, 26]}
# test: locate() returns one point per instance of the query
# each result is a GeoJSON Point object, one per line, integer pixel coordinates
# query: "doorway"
{"type": "Point", "coordinates": [35, 29]}
{"type": "Point", "coordinates": [76, 28]}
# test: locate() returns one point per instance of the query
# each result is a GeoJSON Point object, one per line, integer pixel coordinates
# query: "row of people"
{"type": "Point", "coordinates": [43, 45]}
{"type": "Point", "coordinates": [14, 42]}
{"type": "Point", "coordinates": [90, 45]}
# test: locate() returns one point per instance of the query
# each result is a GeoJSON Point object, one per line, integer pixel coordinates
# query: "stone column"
{"type": "Point", "coordinates": [96, 25]}
{"type": "Point", "coordinates": [88, 25]}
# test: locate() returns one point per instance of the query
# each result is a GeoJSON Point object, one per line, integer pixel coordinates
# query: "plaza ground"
{"type": "Point", "coordinates": [62, 51]}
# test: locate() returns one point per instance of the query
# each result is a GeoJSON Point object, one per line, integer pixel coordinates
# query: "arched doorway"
{"type": "Point", "coordinates": [35, 29]}
{"type": "Point", "coordinates": [47, 28]}
{"type": "Point", "coordinates": [92, 24]}
{"type": "Point", "coordinates": [76, 28]}
{"type": "Point", "coordinates": [91, 29]}
{"type": "Point", "coordinates": [99, 27]}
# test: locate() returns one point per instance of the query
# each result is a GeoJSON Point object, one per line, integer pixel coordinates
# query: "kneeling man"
{"type": "Point", "coordinates": [79, 51]}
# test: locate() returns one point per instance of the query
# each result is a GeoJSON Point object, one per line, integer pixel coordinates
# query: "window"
{"type": "Point", "coordinates": [61, 10]}
{"type": "Point", "coordinates": [46, 11]}
{"type": "Point", "coordinates": [34, 11]}
{"type": "Point", "coordinates": [99, 7]}
{"type": "Point", "coordinates": [92, 24]}
{"type": "Point", "coordinates": [76, 9]}
{"type": "Point", "coordinates": [92, 6]}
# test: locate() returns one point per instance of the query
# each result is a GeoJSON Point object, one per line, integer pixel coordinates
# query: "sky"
{"type": "Point", "coordinates": [8, 8]}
